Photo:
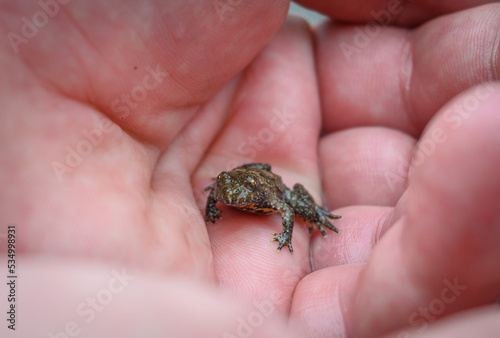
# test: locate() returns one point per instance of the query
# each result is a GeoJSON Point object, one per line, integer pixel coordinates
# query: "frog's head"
{"type": "Point", "coordinates": [238, 187]}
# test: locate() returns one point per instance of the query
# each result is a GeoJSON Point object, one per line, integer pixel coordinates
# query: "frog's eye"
{"type": "Point", "coordinates": [252, 183]}
{"type": "Point", "coordinates": [219, 177]}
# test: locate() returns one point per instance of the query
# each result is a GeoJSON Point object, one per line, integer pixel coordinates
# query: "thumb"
{"type": "Point", "coordinates": [443, 255]}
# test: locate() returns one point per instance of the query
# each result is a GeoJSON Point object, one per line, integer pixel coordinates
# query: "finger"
{"type": "Point", "coordinates": [439, 258]}
{"type": "Point", "coordinates": [116, 301]}
{"type": "Point", "coordinates": [388, 12]}
{"type": "Point", "coordinates": [320, 299]}
{"type": "Point", "coordinates": [361, 228]}
{"type": "Point", "coordinates": [275, 119]}
{"type": "Point", "coordinates": [393, 77]}
{"type": "Point", "coordinates": [482, 321]}
{"type": "Point", "coordinates": [365, 166]}
{"type": "Point", "coordinates": [143, 62]}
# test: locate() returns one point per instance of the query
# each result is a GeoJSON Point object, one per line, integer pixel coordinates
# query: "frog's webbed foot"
{"type": "Point", "coordinates": [321, 221]}
{"type": "Point", "coordinates": [283, 239]}
{"type": "Point", "coordinates": [285, 236]}
{"type": "Point", "coordinates": [212, 213]}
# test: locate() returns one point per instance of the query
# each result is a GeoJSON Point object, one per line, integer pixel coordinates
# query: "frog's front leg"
{"type": "Point", "coordinates": [211, 211]}
{"type": "Point", "coordinates": [285, 236]}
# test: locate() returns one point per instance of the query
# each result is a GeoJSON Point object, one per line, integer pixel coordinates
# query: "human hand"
{"type": "Point", "coordinates": [110, 108]}
{"type": "Point", "coordinates": [425, 213]}
{"type": "Point", "coordinates": [130, 201]}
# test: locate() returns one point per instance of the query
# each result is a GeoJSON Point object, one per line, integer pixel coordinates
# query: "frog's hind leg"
{"type": "Point", "coordinates": [304, 205]}
{"type": "Point", "coordinates": [261, 166]}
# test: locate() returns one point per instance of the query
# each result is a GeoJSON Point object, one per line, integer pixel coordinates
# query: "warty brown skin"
{"type": "Point", "coordinates": [255, 188]}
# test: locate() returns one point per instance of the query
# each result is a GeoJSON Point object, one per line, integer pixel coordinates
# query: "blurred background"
{"type": "Point", "coordinates": [313, 17]}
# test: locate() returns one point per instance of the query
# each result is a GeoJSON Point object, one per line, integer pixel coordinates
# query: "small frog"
{"type": "Point", "coordinates": [255, 188]}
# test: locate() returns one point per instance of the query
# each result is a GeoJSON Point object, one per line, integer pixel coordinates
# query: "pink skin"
{"type": "Point", "coordinates": [224, 96]}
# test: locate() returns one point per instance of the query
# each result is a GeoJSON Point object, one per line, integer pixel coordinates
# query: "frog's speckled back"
{"type": "Point", "coordinates": [255, 188]}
